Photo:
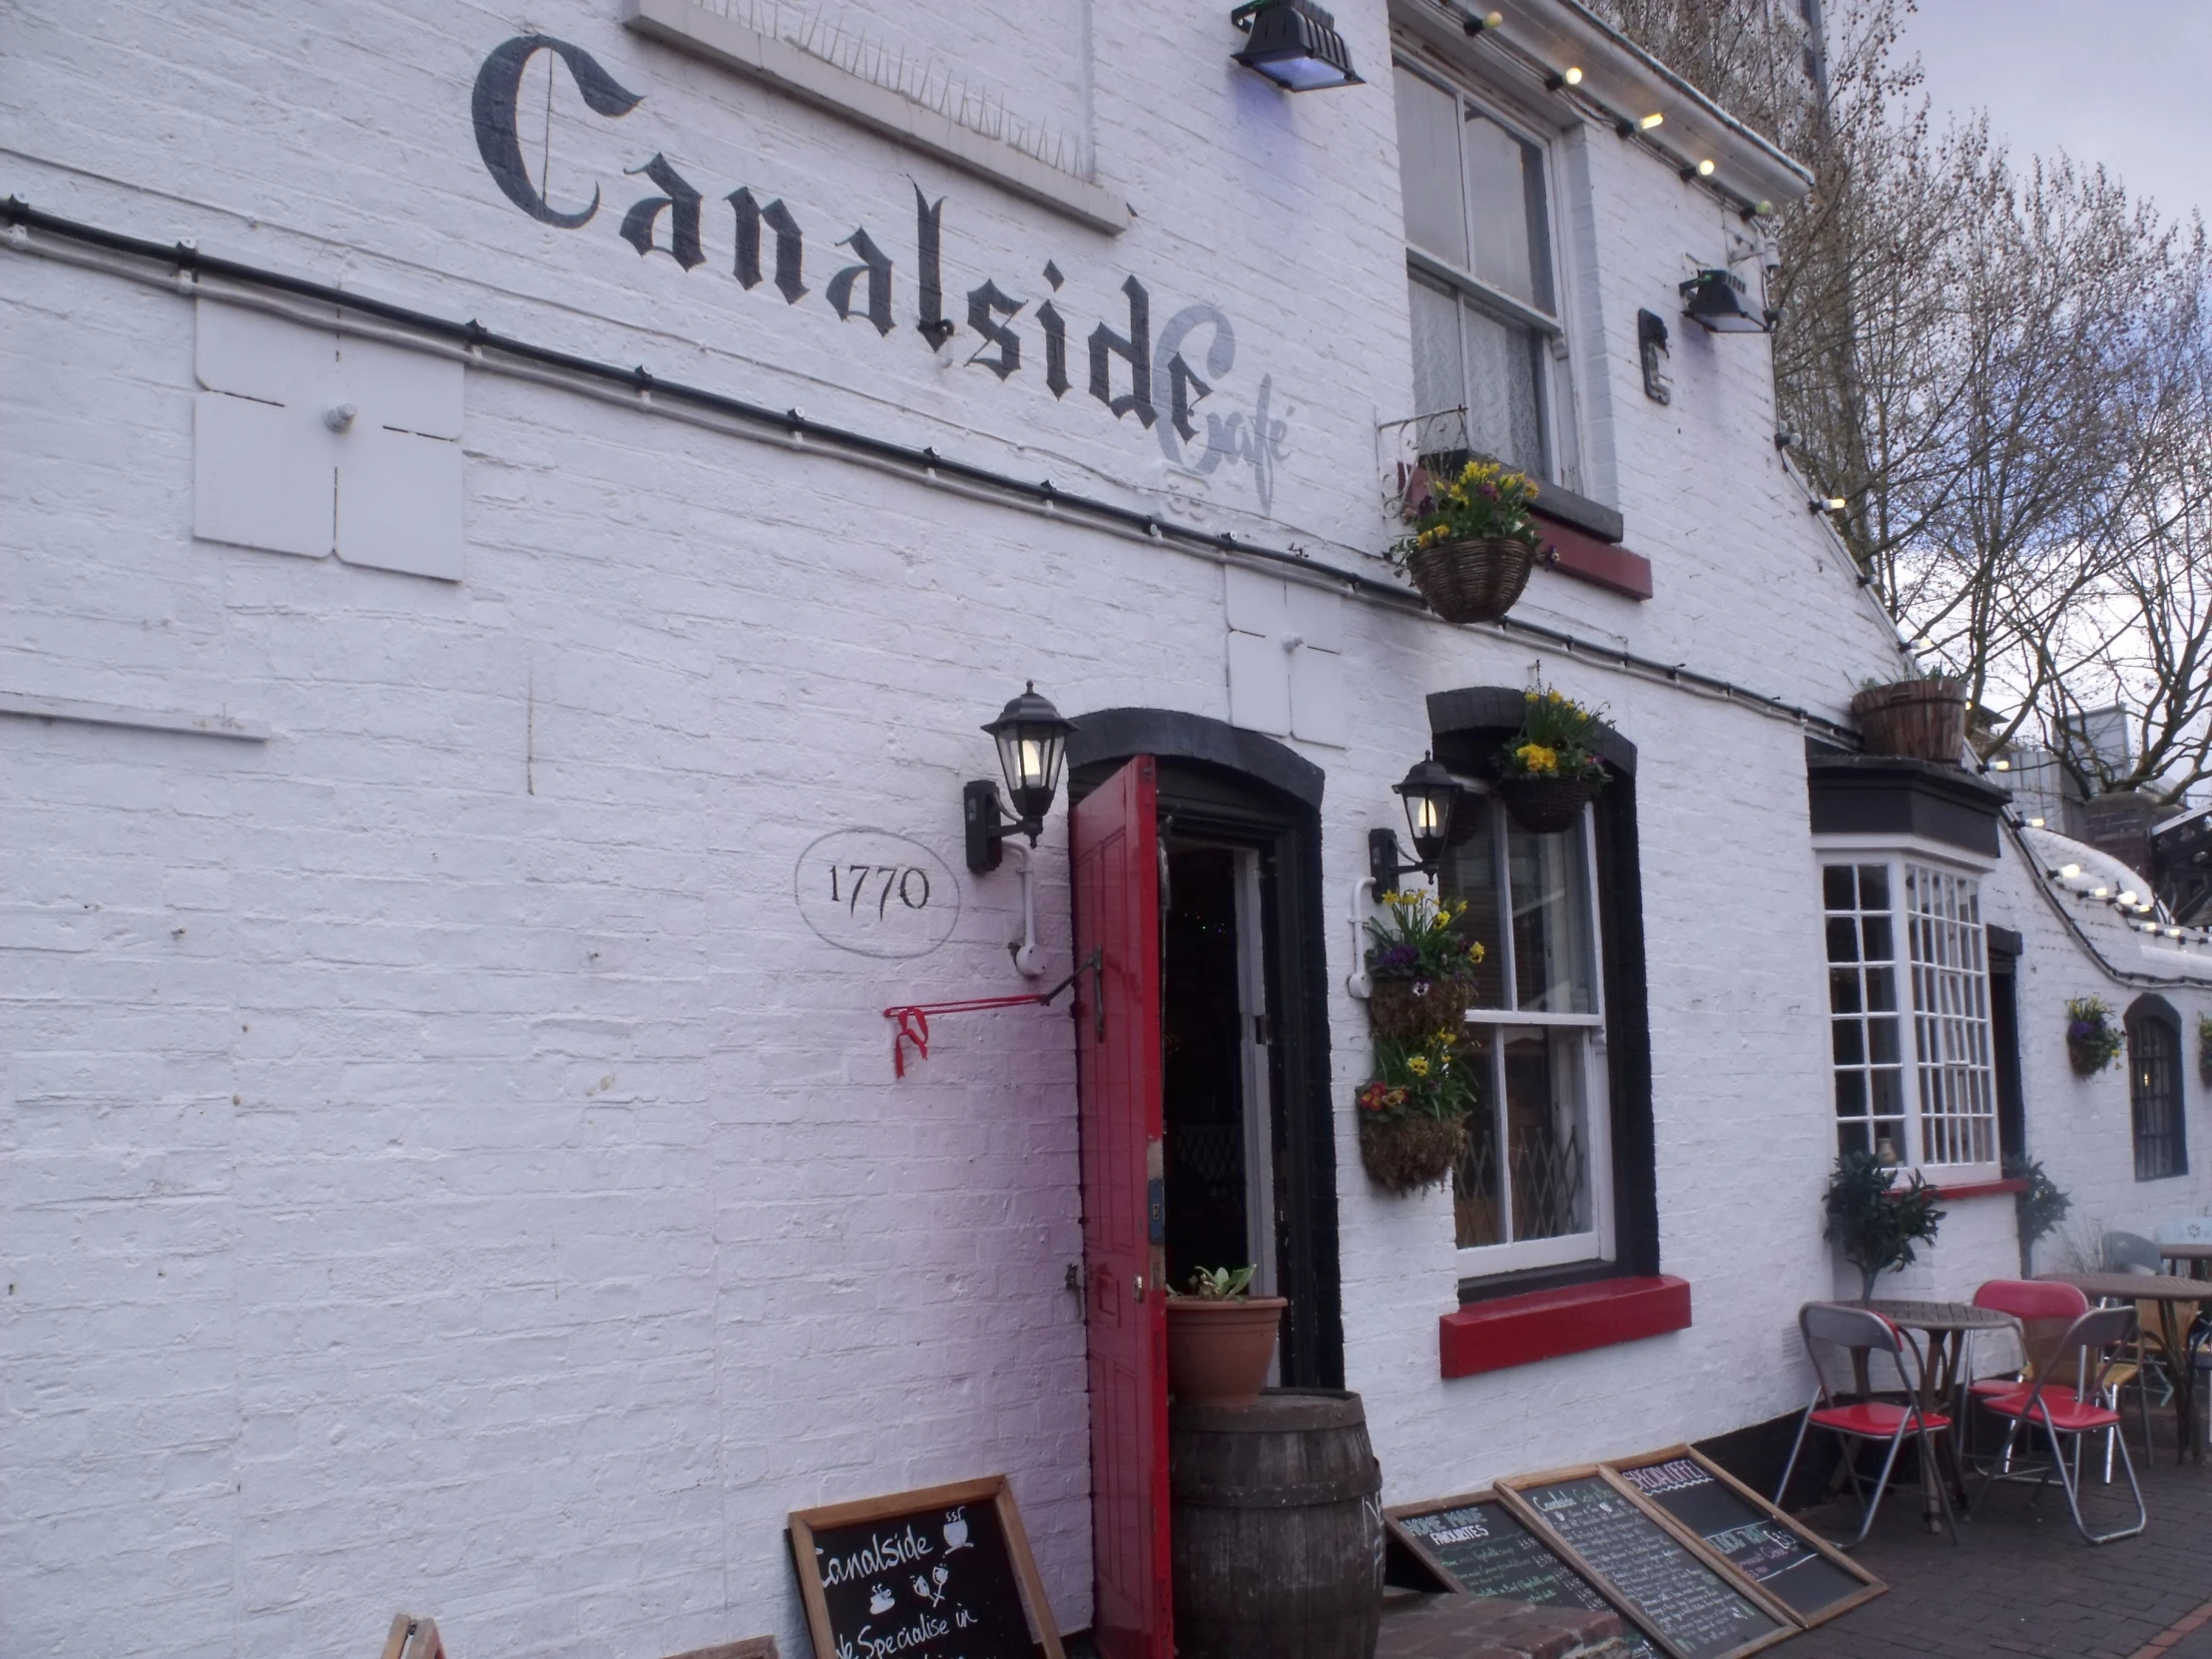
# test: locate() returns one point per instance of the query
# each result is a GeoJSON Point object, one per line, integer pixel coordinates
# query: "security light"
{"type": "Point", "coordinates": [1716, 298]}
{"type": "Point", "coordinates": [1294, 44]}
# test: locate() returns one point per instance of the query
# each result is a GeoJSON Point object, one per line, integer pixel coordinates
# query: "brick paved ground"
{"type": "Point", "coordinates": [2022, 1581]}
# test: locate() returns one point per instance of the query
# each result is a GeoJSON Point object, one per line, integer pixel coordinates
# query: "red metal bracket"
{"type": "Point", "coordinates": [910, 1020]}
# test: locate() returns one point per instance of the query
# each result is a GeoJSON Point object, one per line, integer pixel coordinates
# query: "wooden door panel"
{"type": "Point", "coordinates": [1116, 881]}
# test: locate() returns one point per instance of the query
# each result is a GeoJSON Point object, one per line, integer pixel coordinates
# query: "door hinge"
{"type": "Point", "coordinates": [1138, 1284]}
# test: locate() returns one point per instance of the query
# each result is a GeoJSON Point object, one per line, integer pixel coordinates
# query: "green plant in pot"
{"type": "Point", "coordinates": [1548, 771]}
{"type": "Point", "coordinates": [1421, 969]}
{"type": "Point", "coordinates": [1414, 1112]}
{"type": "Point", "coordinates": [2092, 1040]}
{"type": "Point", "coordinates": [2204, 1047]}
{"type": "Point", "coordinates": [2039, 1207]}
{"type": "Point", "coordinates": [1874, 1222]}
{"type": "Point", "coordinates": [1221, 1337]}
{"type": "Point", "coordinates": [1472, 543]}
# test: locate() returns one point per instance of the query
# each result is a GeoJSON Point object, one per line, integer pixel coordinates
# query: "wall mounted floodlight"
{"type": "Point", "coordinates": [1032, 745]}
{"type": "Point", "coordinates": [1294, 44]}
{"type": "Point", "coordinates": [1430, 794]}
{"type": "Point", "coordinates": [1716, 298]}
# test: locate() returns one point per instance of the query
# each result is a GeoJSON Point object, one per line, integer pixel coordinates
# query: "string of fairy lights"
{"type": "Point", "coordinates": [2140, 911]}
{"type": "Point", "coordinates": [1566, 82]}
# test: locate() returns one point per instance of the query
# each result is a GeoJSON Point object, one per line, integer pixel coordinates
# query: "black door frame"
{"type": "Point", "coordinates": [1220, 782]}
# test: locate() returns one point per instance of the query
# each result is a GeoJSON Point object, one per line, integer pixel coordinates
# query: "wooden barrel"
{"type": "Point", "coordinates": [1276, 1527]}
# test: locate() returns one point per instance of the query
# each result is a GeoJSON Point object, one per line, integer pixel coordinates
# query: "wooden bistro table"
{"type": "Point", "coordinates": [2196, 1257]}
{"type": "Point", "coordinates": [1945, 1325]}
{"type": "Point", "coordinates": [2169, 1290]}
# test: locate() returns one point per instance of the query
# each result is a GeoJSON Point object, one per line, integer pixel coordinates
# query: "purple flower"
{"type": "Point", "coordinates": [1488, 492]}
{"type": "Point", "coordinates": [2080, 1031]}
{"type": "Point", "coordinates": [1397, 957]}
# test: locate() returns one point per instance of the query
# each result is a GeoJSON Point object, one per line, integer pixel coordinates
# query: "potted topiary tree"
{"type": "Point", "coordinates": [1473, 542]}
{"type": "Point", "coordinates": [1877, 1225]}
{"type": "Point", "coordinates": [1221, 1337]}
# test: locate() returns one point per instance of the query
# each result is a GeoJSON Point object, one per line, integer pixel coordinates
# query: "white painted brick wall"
{"type": "Point", "coordinates": [443, 1170]}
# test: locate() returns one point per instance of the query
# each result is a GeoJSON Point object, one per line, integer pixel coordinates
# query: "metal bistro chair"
{"type": "Point", "coordinates": [2059, 1407]}
{"type": "Point", "coordinates": [1860, 1331]}
{"type": "Point", "coordinates": [2046, 1312]}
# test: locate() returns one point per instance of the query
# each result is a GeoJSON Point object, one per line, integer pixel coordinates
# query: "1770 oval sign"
{"type": "Point", "coordinates": [880, 894]}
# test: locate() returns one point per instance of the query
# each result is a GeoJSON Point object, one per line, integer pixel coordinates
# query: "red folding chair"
{"type": "Point", "coordinates": [2046, 1312]}
{"type": "Point", "coordinates": [1830, 1325]}
{"type": "Point", "coordinates": [2059, 1406]}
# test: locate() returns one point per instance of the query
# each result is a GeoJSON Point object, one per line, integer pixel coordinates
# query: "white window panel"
{"type": "Point", "coordinates": [408, 391]}
{"type": "Point", "coordinates": [249, 354]}
{"type": "Point", "coordinates": [399, 503]}
{"type": "Point", "coordinates": [309, 442]}
{"type": "Point", "coordinates": [1258, 684]}
{"type": "Point", "coordinates": [1951, 1018]}
{"type": "Point", "coordinates": [1428, 155]}
{"type": "Point", "coordinates": [261, 476]}
{"type": "Point", "coordinates": [1286, 674]}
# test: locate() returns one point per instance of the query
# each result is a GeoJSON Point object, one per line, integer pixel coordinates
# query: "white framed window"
{"type": "Point", "coordinates": [1482, 274]}
{"type": "Point", "coordinates": [1908, 1014]}
{"type": "Point", "coordinates": [1534, 1189]}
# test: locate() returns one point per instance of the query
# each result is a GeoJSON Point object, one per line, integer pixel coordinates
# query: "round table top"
{"type": "Point", "coordinates": [2136, 1287]}
{"type": "Point", "coordinates": [2186, 1252]}
{"type": "Point", "coordinates": [1941, 1315]}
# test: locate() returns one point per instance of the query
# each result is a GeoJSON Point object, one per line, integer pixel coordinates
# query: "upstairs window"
{"type": "Point", "coordinates": [1478, 255]}
{"type": "Point", "coordinates": [2154, 1088]}
{"type": "Point", "coordinates": [1908, 1015]}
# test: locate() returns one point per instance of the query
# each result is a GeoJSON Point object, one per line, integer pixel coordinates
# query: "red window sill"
{"type": "Point", "coordinates": [1983, 1188]}
{"type": "Point", "coordinates": [1581, 555]}
{"type": "Point", "coordinates": [1520, 1330]}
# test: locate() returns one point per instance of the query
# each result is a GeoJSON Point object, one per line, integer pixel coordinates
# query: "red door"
{"type": "Point", "coordinates": [1116, 879]}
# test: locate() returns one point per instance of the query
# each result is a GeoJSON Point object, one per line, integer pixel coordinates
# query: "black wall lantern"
{"type": "Point", "coordinates": [1716, 298]}
{"type": "Point", "coordinates": [1430, 792]}
{"type": "Point", "coordinates": [1294, 44]}
{"type": "Point", "coordinates": [1032, 743]}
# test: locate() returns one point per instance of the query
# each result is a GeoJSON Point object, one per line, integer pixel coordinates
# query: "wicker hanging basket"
{"type": "Point", "coordinates": [1405, 1154]}
{"type": "Point", "coordinates": [1544, 805]}
{"type": "Point", "coordinates": [1416, 1008]}
{"type": "Point", "coordinates": [1921, 719]}
{"type": "Point", "coordinates": [1476, 580]}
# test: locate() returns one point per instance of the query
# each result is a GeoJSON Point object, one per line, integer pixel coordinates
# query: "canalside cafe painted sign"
{"type": "Point", "coordinates": [1133, 372]}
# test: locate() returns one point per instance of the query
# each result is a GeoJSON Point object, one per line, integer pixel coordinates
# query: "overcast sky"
{"type": "Point", "coordinates": [2124, 82]}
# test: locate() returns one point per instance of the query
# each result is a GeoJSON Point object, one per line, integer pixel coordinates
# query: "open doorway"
{"type": "Point", "coordinates": [1215, 1089]}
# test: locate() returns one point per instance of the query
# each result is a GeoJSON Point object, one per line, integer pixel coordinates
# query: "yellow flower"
{"type": "Point", "coordinates": [1419, 1065]}
{"type": "Point", "coordinates": [1536, 758]}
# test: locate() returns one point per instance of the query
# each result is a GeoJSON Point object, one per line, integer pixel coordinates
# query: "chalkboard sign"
{"type": "Point", "coordinates": [941, 1573]}
{"type": "Point", "coordinates": [1600, 1528]}
{"type": "Point", "coordinates": [1812, 1581]}
{"type": "Point", "coordinates": [1475, 1546]}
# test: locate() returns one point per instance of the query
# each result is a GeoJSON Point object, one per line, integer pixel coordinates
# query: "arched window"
{"type": "Point", "coordinates": [2154, 1088]}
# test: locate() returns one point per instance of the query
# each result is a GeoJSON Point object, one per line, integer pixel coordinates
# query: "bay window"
{"type": "Point", "coordinates": [1908, 1015]}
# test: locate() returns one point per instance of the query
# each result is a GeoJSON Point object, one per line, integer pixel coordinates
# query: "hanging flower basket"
{"type": "Point", "coordinates": [1921, 719]}
{"type": "Point", "coordinates": [1405, 1154]}
{"type": "Point", "coordinates": [1544, 805]}
{"type": "Point", "coordinates": [1417, 1008]}
{"type": "Point", "coordinates": [2091, 1041]}
{"type": "Point", "coordinates": [1477, 579]}
{"type": "Point", "coordinates": [2204, 1047]}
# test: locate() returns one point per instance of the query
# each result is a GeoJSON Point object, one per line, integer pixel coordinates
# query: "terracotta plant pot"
{"type": "Point", "coordinates": [1921, 719]}
{"type": "Point", "coordinates": [1405, 1154]}
{"type": "Point", "coordinates": [1544, 805]}
{"type": "Point", "coordinates": [1417, 1008]}
{"type": "Point", "coordinates": [1478, 580]}
{"type": "Point", "coordinates": [1217, 1351]}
